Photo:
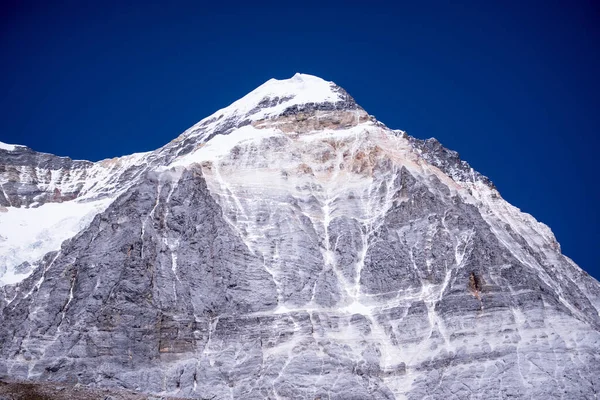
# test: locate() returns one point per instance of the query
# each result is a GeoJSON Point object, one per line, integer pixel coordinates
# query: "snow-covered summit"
{"type": "Point", "coordinates": [275, 96]}
{"type": "Point", "coordinates": [267, 112]}
{"type": "Point", "coordinates": [281, 94]}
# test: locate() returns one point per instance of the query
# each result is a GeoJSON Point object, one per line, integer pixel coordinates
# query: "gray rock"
{"type": "Point", "coordinates": [342, 261]}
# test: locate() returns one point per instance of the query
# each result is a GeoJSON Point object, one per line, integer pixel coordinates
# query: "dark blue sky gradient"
{"type": "Point", "coordinates": [513, 88]}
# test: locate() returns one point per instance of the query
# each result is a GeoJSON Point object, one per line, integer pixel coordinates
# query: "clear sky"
{"type": "Point", "coordinates": [513, 88]}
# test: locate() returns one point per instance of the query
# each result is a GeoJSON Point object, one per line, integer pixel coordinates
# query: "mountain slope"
{"type": "Point", "coordinates": [291, 246]}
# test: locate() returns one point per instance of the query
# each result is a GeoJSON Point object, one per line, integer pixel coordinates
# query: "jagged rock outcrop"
{"type": "Point", "coordinates": [291, 246]}
{"type": "Point", "coordinates": [30, 179]}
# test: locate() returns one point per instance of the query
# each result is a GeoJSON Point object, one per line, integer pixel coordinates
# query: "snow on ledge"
{"type": "Point", "coordinates": [27, 234]}
{"type": "Point", "coordinates": [8, 147]}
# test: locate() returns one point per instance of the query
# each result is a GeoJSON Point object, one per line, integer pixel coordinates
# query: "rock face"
{"type": "Point", "coordinates": [291, 246]}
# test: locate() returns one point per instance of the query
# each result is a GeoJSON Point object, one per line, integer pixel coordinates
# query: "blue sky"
{"type": "Point", "coordinates": [513, 88]}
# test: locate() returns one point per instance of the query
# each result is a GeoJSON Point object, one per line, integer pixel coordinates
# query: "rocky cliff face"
{"type": "Point", "coordinates": [290, 246]}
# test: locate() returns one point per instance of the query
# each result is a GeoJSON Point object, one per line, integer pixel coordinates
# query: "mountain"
{"type": "Point", "coordinates": [287, 246]}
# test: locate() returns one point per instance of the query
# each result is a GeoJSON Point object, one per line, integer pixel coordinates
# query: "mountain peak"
{"type": "Point", "coordinates": [275, 96]}
{"type": "Point", "coordinates": [302, 93]}
{"type": "Point", "coordinates": [292, 230]}
{"type": "Point", "coordinates": [307, 85]}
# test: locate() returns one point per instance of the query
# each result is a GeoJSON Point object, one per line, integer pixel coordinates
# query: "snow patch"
{"type": "Point", "coordinates": [27, 234]}
{"type": "Point", "coordinates": [8, 147]}
{"type": "Point", "coordinates": [221, 145]}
